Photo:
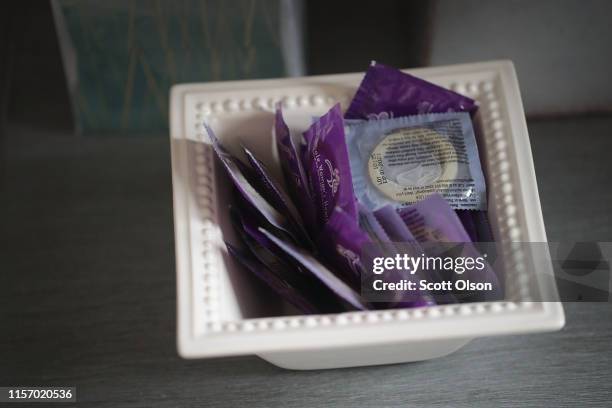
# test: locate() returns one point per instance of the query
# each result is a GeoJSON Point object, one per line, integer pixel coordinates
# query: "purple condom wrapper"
{"type": "Point", "coordinates": [469, 223]}
{"type": "Point", "coordinates": [311, 264]}
{"type": "Point", "coordinates": [327, 167]}
{"type": "Point", "coordinates": [275, 195]}
{"type": "Point", "coordinates": [281, 265]}
{"type": "Point", "coordinates": [387, 92]}
{"type": "Point", "coordinates": [483, 226]}
{"type": "Point", "coordinates": [271, 190]}
{"type": "Point", "coordinates": [261, 247]}
{"type": "Point", "coordinates": [369, 224]}
{"type": "Point", "coordinates": [340, 243]}
{"type": "Point", "coordinates": [432, 221]}
{"type": "Point", "coordinates": [293, 169]}
{"type": "Point", "coordinates": [394, 226]}
{"type": "Point", "coordinates": [247, 191]}
{"type": "Point", "coordinates": [398, 232]}
{"type": "Point", "coordinates": [281, 287]}
{"type": "Point", "coordinates": [382, 245]}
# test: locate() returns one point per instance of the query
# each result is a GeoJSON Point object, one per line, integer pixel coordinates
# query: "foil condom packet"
{"type": "Point", "coordinates": [387, 92]}
{"type": "Point", "coordinates": [327, 167]}
{"type": "Point", "coordinates": [400, 161]}
{"type": "Point", "coordinates": [440, 232]}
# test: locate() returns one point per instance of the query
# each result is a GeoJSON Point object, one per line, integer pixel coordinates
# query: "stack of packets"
{"type": "Point", "coordinates": [400, 166]}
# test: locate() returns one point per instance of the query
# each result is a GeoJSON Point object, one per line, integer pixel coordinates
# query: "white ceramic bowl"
{"type": "Point", "coordinates": [222, 309]}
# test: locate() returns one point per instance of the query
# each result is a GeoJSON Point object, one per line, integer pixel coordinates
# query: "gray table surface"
{"type": "Point", "coordinates": [88, 290]}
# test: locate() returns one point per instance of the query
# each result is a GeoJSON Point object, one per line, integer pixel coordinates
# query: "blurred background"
{"type": "Point", "coordinates": [103, 67]}
{"type": "Point", "coordinates": [85, 182]}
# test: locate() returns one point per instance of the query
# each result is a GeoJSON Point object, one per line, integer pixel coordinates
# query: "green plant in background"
{"type": "Point", "coordinates": [122, 57]}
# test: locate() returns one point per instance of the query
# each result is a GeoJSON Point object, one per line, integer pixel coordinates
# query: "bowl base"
{"type": "Point", "coordinates": [364, 355]}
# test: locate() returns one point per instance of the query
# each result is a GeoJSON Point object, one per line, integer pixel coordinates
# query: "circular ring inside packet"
{"type": "Point", "coordinates": [409, 160]}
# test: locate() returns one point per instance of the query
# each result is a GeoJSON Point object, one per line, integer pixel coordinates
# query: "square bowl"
{"type": "Point", "coordinates": [224, 311]}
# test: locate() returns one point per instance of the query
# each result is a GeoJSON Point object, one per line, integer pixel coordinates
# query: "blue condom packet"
{"type": "Point", "coordinates": [400, 161]}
